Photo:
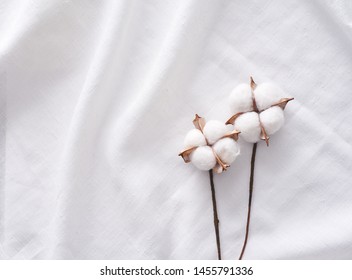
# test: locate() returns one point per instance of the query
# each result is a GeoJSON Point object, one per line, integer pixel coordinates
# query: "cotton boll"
{"type": "Point", "coordinates": [249, 126]}
{"type": "Point", "coordinates": [203, 158]}
{"type": "Point", "coordinates": [214, 130]}
{"type": "Point", "coordinates": [227, 150]}
{"type": "Point", "coordinates": [241, 99]}
{"type": "Point", "coordinates": [272, 119]}
{"type": "Point", "coordinates": [194, 138]}
{"type": "Point", "coordinates": [267, 94]}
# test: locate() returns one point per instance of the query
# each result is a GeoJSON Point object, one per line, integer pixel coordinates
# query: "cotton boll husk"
{"type": "Point", "coordinates": [249, 126]}
{"type": "Point", "coordinates": [203, 158]}
{"type": "Point", "coordinates": [272, 119]}
{"type": "Point", "coordinates": [227, 150]}
{"type": "Point", "coordinates": [267, 94]}
{"type": "Point", "coordinates": [194, 138]}
{"type": "Point", "coordinates": [241, 99]}
{"type": "Point", "coordinates": [214, 130]}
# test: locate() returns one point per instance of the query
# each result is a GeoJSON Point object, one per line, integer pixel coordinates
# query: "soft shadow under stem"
{"type": "Point", "coordinates": [251, 181]}
{"type": "Point", "coordinates": [215, 211]}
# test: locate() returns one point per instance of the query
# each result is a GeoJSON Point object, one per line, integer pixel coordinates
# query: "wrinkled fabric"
{"type": "Point", "coordinates": [97, 96]}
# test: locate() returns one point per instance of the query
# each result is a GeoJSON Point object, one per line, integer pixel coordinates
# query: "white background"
{"type": "Point", "coordinates": [97, 96]}
{"type": "Point", "coordinates": [91, 269]}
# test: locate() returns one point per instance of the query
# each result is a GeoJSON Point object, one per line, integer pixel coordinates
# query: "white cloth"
{"type": "Point", "coordinates": [97, 96]}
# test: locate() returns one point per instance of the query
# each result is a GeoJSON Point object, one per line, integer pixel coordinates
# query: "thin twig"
{"type": "Point", "coordinates": [251, 181]}
{"type": "Point", "coordinates": [216, 219]}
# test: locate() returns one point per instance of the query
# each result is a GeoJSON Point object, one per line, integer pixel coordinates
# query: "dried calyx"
{"type": "Point", "coordinates": [210, 145]}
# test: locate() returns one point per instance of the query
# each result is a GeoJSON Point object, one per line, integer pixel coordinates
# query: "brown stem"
{"type": "Point", "coordinates": [251, 180]}
{"type": "Point", "coordinates": [215, 211]}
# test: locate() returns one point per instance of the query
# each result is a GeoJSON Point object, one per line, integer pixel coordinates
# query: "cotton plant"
{"type": "Point", "coordinates": [258, 110]}
{"type": "Point", "coordinates": [211, 146]}
{"type": "Point", "coordinates": [258, 113]}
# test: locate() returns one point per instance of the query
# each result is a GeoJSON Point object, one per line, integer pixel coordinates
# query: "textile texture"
{"type": "Point", "coordinates": [97, 96]}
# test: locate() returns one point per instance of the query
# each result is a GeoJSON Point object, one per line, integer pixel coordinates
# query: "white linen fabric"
{"type": "Point", "coordinates": [97, 97]}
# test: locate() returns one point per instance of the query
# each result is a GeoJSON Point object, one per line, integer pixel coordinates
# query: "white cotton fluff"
{"type": "Point", "coordinates": [272, 119]}
{"type": "Point", "coordinates": [267, 94]}
{"type": "Point", "coordinates": [203, 158]}
{"type": "Point", "coordinates": [249, 126]}
{"type": "Point", "coordinates": [214, 130]}
{"type": "Point", "coordinates": [194, 138]}
{"type": "Point", "coordinates": [241, 99]}
{"type": "Point", "coordinates": [227, 150]}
